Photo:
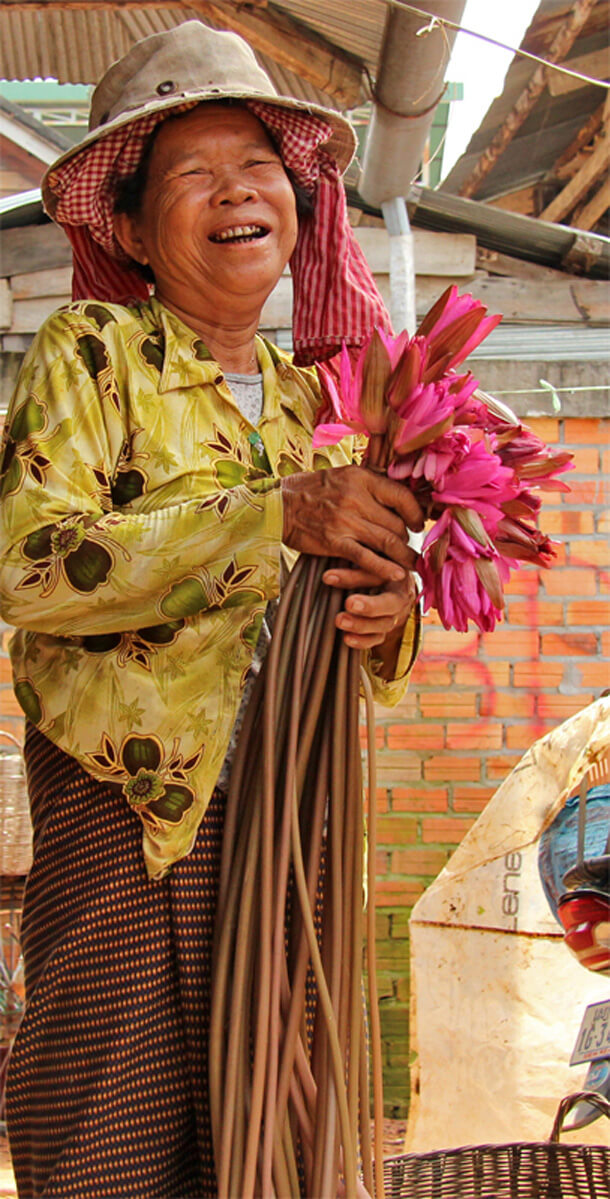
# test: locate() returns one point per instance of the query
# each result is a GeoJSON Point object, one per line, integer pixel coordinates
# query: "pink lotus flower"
{"type": "Point", "coordinates": [529, 457]}
{"type": "Point", "coordinates": [424, 415]}
{"type": "Point", "coordinates": [516, 539]}
{"type": "Point", "coordinates": [433, 462]}
{"type": "Point", "coordinates": [480, 482]}
{"type": "Point", "coordinates": [341, 399]}
{"type": "Point", "coordinates": [454, 327]}
{"type": "Point", "coordinates": [461, 578]}
{"type": "Point", "coordinates": [470, 464]}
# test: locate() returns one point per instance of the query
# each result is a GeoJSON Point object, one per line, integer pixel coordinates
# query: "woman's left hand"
{"type": "Point", "coordinates": [378, 619]}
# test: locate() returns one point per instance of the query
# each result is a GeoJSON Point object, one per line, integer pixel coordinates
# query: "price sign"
{"type": "Point", "coordinates": [593, 1040]}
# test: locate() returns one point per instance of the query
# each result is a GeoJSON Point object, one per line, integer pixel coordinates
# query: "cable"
{"type": "Point", "coordinates": [438, 22]}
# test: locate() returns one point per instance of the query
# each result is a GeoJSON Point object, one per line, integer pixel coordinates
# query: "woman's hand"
{"type": "Point", "coordinates": [374, 620]}
{"type": "Point", "coordinates": [352, 513]}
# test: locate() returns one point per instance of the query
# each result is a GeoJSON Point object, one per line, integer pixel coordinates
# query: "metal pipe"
{"type": "Point", "coordinates": [409, 84]}
{"type": "Point", "coordinates": [402, 265]}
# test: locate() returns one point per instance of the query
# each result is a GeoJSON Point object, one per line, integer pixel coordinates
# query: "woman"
{"type": "Point", "coordinates": [157, 459]}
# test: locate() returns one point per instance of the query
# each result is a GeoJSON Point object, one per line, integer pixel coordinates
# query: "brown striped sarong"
{"type": "Point", "coordinates": [107, 1090]}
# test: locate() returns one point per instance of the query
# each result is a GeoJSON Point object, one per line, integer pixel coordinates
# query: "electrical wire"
{"type": "Point", "coordinates": [440, 22]}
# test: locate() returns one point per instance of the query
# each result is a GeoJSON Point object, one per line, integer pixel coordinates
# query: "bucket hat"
{"type": "Point", "coordinates": [335, 297]}
{"type": "Point", "coordinates": [178, 69]}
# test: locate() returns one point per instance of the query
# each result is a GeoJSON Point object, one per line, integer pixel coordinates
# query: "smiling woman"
{"type": "Point", "coordinates": [217, 224]}
{"type": "Point", "coordinates": [158, 469]}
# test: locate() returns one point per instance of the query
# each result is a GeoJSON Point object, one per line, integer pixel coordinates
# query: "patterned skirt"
{"type": "Point", "coordinates": [107, 1090]}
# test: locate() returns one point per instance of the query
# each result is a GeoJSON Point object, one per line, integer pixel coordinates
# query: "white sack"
{"type": "Point", "coordinates": [497, 998]}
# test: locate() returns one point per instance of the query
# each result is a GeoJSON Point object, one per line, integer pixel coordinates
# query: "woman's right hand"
{"type": "Point", "coordinates": [353, 513]}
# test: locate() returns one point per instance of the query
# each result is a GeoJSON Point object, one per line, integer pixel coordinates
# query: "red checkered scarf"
{"type": "Point", "coordinates": [335, 297]}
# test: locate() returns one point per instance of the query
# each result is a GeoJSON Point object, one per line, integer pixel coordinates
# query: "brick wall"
{"type": "Point", "coordinates": [476, 702]}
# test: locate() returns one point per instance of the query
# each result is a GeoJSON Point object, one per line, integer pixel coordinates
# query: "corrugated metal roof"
{"type": "Point", "coordinates": [545, 343]}
{"type": "Point", "coordinates": [554, 120]}
{"type": "Point", "coordinates": [356, 25]}
{"type": "Point", "coordinates": [77, 46]}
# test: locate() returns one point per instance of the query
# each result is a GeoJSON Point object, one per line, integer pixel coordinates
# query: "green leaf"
{"type": "Point", "coordinates": [29, 699]}
{"type": "Point", "coordinates": [88, 567]}
{"type": "Point", "coordinates": [140, 753]}
{"type": "Point", "coordinates": [184, 599]}
{"type": "Point", "coordinates": [173, 803]}
{"type": "Point", "coordinates": [29, 418]}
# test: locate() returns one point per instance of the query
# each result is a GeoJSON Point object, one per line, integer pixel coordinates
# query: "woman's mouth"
{"type": "Point", "coordinates": [240, 233]}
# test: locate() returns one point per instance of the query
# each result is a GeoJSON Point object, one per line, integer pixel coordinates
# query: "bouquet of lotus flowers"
{"type": "Point", "coordinates": [472, 466]}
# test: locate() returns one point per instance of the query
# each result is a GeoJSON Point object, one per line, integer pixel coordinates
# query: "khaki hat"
{"type": "Point", "coordinates": [188, 65]}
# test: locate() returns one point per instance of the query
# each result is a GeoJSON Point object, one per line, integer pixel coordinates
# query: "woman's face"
{"type": "Point", "coordinates": [218, 220]}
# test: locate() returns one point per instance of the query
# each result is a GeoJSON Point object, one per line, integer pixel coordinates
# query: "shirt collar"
{"type": "Point", "coordinates": [187, 362]}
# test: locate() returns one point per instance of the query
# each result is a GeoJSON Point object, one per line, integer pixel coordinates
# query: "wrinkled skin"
{"type": "Point", "coordinates": [214, 170]}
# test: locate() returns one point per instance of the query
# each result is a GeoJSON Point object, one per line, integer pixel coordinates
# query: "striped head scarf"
{"type": "Point", "coordinates": [335, 297]}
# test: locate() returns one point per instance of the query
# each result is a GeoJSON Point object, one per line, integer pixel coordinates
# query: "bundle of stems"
{"type": "Point", "coordinates": [289, 1091]}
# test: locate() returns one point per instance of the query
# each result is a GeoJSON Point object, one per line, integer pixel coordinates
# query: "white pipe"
{"type": "Point", "coordinates": [409, 81]}
{"type": "Point", "coordinates": [402, 265]}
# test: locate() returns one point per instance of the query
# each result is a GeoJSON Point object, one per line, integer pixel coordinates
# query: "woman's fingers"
{"type": "Point", "coordinates": [350, 512]}
{"type": "Point", "coordinates": [370, 620]}
{"type": "Point", "coordinates": [349, 578]}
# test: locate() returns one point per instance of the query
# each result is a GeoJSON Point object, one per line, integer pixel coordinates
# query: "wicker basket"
{"type": "Point", "coordinates": [15, 823]}
{"type": "Point", "coordinates": [528, 1170]}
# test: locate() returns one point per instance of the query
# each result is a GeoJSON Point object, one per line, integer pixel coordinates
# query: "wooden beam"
{"type": "Point", "coordinates": [522, 301]}
{"type": "Point", "coordinates": [594, 64]}
{"type": "Point", "coordinates": [294, 45]}
{"type": "Point", "coordinates": [580, 184]}
{"type": "Point", "coordinates": [495, 263]}
{"type": "Point", "coordinates": [39, 247]}
{"type": "Point", "coordinates": [594, 210]}
{"type": "Point", "coordinates": [561, 44]}
{"type": "Point", "coordinates": [585, 134]}
{"type": "Point", "coordinates": [291, 43]}
{"type": "Point", "coordinates": [523, 201]}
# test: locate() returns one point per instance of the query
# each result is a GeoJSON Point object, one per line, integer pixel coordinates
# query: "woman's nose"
{"type": "Point", "coordinates": [232, 188]}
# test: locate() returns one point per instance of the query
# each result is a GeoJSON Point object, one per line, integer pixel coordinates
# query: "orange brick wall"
{"type": "Point", "coordinates": [475, 704]}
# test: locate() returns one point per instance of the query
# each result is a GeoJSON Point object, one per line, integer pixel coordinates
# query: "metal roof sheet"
{"type": "Point", "coordinates": [77, 46]}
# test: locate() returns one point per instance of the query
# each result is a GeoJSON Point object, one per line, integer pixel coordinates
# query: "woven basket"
{"type": "Point", "coordinates": [15, 823]}
{"type": "Point", "coordinates": [528, 1170]}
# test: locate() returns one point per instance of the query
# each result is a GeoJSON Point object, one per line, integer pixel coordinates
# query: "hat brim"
{"type": "Point", "coordinates": [341, 145]}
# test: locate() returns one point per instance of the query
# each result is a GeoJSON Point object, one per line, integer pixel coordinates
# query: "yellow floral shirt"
{"type": "Point", "coordinates": [141, 527]}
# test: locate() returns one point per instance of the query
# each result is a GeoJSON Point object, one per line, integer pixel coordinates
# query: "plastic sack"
{"type": "Point", "coordinates": [497, 998]}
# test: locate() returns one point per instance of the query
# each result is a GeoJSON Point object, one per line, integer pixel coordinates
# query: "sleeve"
{"type": "Point", "coordinates": [69, 564]}
{"type": "Point", "coordinates": [389, 692]}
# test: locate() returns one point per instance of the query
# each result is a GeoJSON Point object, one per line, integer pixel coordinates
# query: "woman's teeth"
{"type": "Point", "coordinates": [239, 233]}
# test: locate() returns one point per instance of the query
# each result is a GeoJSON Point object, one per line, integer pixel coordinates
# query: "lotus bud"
{"type": "Point", "coordinates": [407, 445]}
{"type": "Point", "coordinates": [375, 375]}
{"type": "Point", "coordinates": [406, 375]}
{"type": "Point", "coordinates": [490, 579]}
{"type": "Point", "coordinates": [472, 524]}
{"type": "Point", "coordinates": [433, 316]}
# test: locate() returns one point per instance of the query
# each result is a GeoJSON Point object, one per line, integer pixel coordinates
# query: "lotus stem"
{"type": "Point", "coordinates": [370, 944]}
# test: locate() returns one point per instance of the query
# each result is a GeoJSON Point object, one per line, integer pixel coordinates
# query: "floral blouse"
{"type": "Point", "coordinates": [140, 541]}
